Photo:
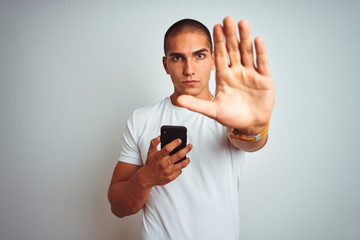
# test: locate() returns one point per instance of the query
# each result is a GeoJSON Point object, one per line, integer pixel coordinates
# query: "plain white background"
{"type": "Point", "coordinates": [73, 71]}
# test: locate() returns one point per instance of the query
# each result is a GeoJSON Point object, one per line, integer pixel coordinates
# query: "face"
{"type": "Point", "coordinates": [189, 62]}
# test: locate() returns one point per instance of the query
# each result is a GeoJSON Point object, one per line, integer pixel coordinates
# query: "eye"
{"type": "Point", "coordinates": [200, 56]}
{"type": "Point", "coordinates": [176, 58]}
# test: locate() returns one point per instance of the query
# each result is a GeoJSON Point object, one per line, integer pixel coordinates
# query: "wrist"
{"type": "Point", "coordinates": [143, 178]}
{"type": "Point", "coordinates": [250, 134]}
{"type": "Point", "coordinates": [252, 130]}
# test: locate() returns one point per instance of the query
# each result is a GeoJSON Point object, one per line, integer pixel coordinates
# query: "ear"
{"type": "Point", "coordinates": [212, 61]}
{"type": "Point", "coordinates": [165, 65]}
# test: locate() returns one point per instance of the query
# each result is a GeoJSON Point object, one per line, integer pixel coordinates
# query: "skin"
{"type": "Point", "coordinates": [244, 99]}
{"type": "Point", "coordinates": [244, 95]}
{"type": "Point", "coordinates": [131, 184]}
{"type": "Point", "coordinates": [189, 62]}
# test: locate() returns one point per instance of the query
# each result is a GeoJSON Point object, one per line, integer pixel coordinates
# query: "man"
{"type": "Point", "coordinates": [197, 199]}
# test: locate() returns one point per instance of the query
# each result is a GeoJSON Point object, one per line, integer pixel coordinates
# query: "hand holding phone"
{"type": "Point", "coordinates": [160, 168]}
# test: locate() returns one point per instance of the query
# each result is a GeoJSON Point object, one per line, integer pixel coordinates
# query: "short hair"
{"type": "Point", "coordinates": [186, 25]}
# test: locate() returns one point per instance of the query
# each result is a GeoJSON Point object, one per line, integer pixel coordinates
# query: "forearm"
{"type": "Point", "coordinates": [128, 197]}
{"type": "Point", "coordinates": [248, 146]}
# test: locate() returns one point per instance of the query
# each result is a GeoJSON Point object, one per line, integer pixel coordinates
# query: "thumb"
{"type": "Point", "coordinates": [205, 107]}
{"type": "Point", "coordinates": [153, 144]}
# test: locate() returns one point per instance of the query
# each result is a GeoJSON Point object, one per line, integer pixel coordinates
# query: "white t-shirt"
{"type": "Point", "coordinates": [203, 202]}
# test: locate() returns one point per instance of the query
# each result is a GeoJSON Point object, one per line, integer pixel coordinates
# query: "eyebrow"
{"type": "Point", "coordinates": [201, 50]}
{"type": "Point", "coordinates": [196, 52]}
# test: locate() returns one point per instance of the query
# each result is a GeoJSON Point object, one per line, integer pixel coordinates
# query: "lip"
{"type": "Point", "coordinates": [190, 82]}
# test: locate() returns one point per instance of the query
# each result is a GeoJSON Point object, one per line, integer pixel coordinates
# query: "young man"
{"type": "Point", "coordinates": [197, 199]}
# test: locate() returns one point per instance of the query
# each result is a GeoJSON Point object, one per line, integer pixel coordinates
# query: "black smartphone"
{"type": "Point", "coordinates": [169, 133]}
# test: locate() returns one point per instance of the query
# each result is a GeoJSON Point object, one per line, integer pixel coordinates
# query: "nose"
{"type": "Point", "coordinates": [189, 68]}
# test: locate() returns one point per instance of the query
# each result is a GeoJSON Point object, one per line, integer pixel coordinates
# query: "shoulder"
{"type": "Point", "coordinates": [149, 110]}
{"type": "Point", "coordinates": [142, 116]}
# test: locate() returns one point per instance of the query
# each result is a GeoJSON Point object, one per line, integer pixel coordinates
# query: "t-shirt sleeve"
{"type": "Point", "coordinates": [130, 152]}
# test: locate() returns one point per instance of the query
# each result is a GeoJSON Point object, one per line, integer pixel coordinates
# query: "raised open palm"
{"type": "Point", "coordinates": [244, 95]}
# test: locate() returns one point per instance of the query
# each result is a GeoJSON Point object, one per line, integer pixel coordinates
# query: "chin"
{"type": "Point", "coordinates": [192, 92]}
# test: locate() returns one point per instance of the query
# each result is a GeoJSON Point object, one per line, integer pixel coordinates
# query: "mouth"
{"type": "Point", "coordinates": [190, 82]}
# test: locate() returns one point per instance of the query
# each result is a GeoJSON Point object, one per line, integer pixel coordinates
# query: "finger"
{"type": "Point", "coordinates": [246, 47]}
{"type": "Point", "coordinates": [221, 61]}
{"type": "Point", "coordinates": [261, 57]}
{"type": "Point", "coordinates": [232, 43]}
{"type": "Point", "coordinates": [175, 170]}
{"type": "Point", "coordinates": [168, 148]}
{"type": "Point", "coordinates": [180, 165]}
{"type": "Point", "coordinates": [153, 144]}
{"type": "Point", "coordinates": [205, 107]}
{"type": "Point", "coordinates": [174, 175]}
{"type": "Point", "coordinates": [180, 154]}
